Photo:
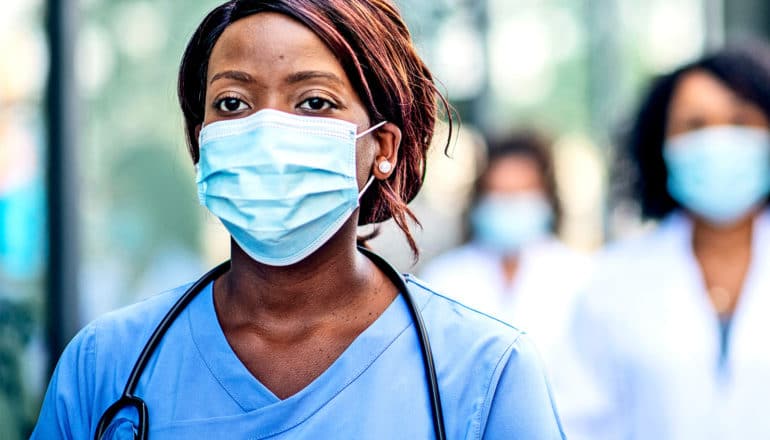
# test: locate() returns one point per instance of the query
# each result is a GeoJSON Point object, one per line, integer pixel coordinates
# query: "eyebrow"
{"type": "Point", "coordinates": [313, 74]}
{"type": "Point", "coordinates": [234, 75]}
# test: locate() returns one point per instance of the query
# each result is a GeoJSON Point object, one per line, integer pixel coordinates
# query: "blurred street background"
{"type": "Point", "coordinates": [98, 204]}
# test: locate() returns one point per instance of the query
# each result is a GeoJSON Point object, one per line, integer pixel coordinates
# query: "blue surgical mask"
{"type": "Point", "coordinates": [281, 184]}
{"type": "Point", "coordinates": [506, 223]}
{"type": "Point", "coordinates": [719, 173]}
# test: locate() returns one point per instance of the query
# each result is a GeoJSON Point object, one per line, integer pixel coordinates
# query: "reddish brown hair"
{"type": "Point", "coordinates": [373, 44]}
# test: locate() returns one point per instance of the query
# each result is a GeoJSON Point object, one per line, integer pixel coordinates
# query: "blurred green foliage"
{"type": "Point", "coordinates": [139, 183]}
{"type": "Point", "coordinates": [18, 322]}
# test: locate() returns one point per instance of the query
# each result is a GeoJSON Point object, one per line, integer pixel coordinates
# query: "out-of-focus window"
{"type": "Point", "coordinates": [142, 229]}
{"type": "Point", "coordinates": [23, 66]}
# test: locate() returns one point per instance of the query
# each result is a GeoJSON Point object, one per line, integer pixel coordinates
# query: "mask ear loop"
{"type": "Point", "coordinates": [366, 186]}
{"type": "Point", "coordinates": [370, 129]}
{"type": "Point", "coordinates": [358, 136]}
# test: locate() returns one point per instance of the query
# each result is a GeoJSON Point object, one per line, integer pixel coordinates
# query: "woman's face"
{"type": "Point", "coordinates": [513, 175]}
{"type": "Point", "coordinates": [268, 60]}
{"type": "Point", "coordinates": [700, 100]}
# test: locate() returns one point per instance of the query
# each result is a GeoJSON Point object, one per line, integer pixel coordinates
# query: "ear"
{"type": "Point", "coordinates": [388, 138]}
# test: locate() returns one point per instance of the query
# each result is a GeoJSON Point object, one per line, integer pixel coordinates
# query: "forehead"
{"type": "Point", "coordinates": [701, 84]}
{"type": "Point", "coordinates": [515, 172]}
{"type": "Point", "coordinates": [267, 42]}
{"type": "Point", "coordinates": [701, 89]}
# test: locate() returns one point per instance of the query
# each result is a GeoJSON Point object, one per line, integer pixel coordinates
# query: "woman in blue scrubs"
{"type": "Point", "coordinates": [305, 118]}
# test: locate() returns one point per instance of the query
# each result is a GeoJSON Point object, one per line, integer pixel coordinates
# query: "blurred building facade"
{"type": "Point", "coordinates": [98, 204]}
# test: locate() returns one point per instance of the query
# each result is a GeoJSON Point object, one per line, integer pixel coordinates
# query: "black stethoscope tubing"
{"type": "Point", "coordinates": [128, 399]}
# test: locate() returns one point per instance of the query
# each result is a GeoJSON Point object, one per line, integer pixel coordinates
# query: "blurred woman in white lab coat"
{"type": "Point", "coordinates": [673, 330]}
{"type": "Point", "coordinates": [512, 266]}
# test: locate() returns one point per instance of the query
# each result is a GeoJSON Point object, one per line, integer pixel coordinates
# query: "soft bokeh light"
{"type": "Point", "coordinates": [582, 173]}
{"type": "Point", "coordinates": [452, 169]}
{"type": "Point", "coordinates": [95, 58]}
{"type": "Point", "coordinates": [522, 51]}
{"type": "Point", "coordinates": [141, 30]}
{"type": "Point", "coordinates": [676, 32]}
{"type": "Point", "coordinates": [458, 59]}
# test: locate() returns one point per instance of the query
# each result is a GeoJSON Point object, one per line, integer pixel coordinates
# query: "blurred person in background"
{"type": "Point", "coordinates": [513, 266]}
{"type": "Point", "coordinates": [305, 118]}
{"type": "Point", "coordinates": [672, 331]}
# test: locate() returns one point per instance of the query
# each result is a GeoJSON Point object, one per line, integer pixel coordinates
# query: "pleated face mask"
{"type": "Point", "coordinates": [719, 173]}
{"type": "Point", "coordinates": [505, 223]}
{"type": "Point", "coordinates": [281, 184]}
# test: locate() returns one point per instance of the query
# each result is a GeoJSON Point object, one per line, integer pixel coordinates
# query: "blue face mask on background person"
{"type": "Point", "coordinates": [505, 223]}
{"type": "Point", "coordinates": [281, 184]}
{"type": "Point", "coordinates": [719, 173]}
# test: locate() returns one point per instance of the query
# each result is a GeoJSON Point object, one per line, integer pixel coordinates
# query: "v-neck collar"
{"type": "Point", "coordinates": [259, 402]}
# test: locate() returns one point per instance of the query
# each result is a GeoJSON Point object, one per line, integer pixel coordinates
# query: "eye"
{"type": "Point", "coordinates": [230, 105]}
{"type": "Point", "coordinates": [316, 104]}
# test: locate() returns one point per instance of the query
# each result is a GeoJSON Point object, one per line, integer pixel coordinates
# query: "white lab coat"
{"type": "Point", "coordinates": [539, 300]}
{"type": "Point", "coordinates": [648, 341]}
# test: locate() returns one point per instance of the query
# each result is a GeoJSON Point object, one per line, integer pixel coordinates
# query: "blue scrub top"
{"type": "Point", "coordinates": [491, 382]}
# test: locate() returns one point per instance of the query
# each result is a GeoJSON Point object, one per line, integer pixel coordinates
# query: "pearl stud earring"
{"type": "Point", "coordinates": [384, 167]}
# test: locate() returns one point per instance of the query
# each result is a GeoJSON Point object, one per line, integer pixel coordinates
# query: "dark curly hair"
{"type": "Point", "coordinates": [525, 144]}
{"type": "Point", "coordinates": [374, 46]}
{"type": "Point", "coordinates": [744, 68]}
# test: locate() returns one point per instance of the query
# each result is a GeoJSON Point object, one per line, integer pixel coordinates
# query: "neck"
{"type": "Point", "coordinates": [511, 267]}
{"type": "Point", "coordinates": [311, 290]}
{"type": "Point", "coordinates": [724, 255]}
{"type": "Point", "coordinates": [723, 240]}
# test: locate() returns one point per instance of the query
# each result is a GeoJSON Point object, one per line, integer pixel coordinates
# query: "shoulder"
{"type": "Point", "coordinates": [630, 272]}
{"type": "Point", "coordinates": [129, 327]}
{"type": "Point", "coordinates": [635, 261]}
{"type": "Point", "coordinates": [562, 254]}
{"type": "Point", "coordinates": [522, 405]}
{"type": "Point", "coordinates": [461, 336]}
{"type": "Point", "coordinates": [663, 238]}
{"type": "Point", "coordinates": [552, 247]}
{"type": "Point", "coordinates": [446, 316]}
{"type": "Point", "coordinates": [121, 335]}
{"type": "Point", "coordinates": [118, 338]}
{"type": "Point", "coordinates": [551, 256]}
{"type": "Point", "coordinates": [95, 365]}
{"type": "Point", "coordinates": [489, 372]}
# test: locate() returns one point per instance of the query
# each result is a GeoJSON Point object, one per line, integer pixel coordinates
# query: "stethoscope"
{"type": "Point", "coordinates": [129, 400]}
